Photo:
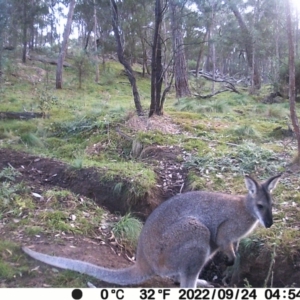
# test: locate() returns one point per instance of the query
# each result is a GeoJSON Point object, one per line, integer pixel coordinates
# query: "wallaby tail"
{"type": "Point", "coordinates": [125, 276]}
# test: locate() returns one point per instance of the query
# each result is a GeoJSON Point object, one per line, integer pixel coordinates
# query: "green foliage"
{"type": "Point", "coordinates": [192, 64]}
{"type": "Point", "coordinates": [156, 138]}
{"type": "Point", "coordinates": [33, 230]}
{"type": "Point", "coordinates": [236, 99]}
{"type": "Point", "coordinates": [68, 278]}
{"type": "Point", "coordinates": [9, 173]}
{"type": "Point", "coordinates": [108, 75]}
{"type": "Point", "coordinates": [45, 99]}
{"type": "Point", "coordinates": [9, 190]}
{"type": "Point", "coordinates": [30, 139]}
{"type": "Point", "coordinates": [275, 111]}
{"type": "Point", "coordinates": [201, 106]}
{"type": "Point", "coordinates": [245, 158]}
{"type": "Point", "coordinates": [137, 179]}
{"type": "Point", "coordinates": [84, 124]}
{"type": "Point", "coordinates": [284, 77]}
{"type": "Point", "coordinates": [82, 65]}
{"type": "Point", "coordinates": [57, 221]}
{"type": "Point", "coordinates": [7, 249]}
{"type": "Point", "coordinates": [193, 145]}
{"type": "Point", "coordinates": [244, 131]}
{"type": "Point", "coordinates": [127, 230]}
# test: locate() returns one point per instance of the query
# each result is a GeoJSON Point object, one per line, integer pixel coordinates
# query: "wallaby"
{"type": "Point", "coordinates": [181, 234]}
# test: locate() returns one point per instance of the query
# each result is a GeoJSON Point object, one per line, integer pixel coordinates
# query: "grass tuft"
{"type": "Point", "coordinates": [127, 230]}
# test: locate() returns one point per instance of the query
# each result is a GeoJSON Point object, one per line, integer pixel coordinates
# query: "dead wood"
{"type": "Point", "coordinates": [20, 115]}
{"type": "Point", "coordinates": [47, 60]}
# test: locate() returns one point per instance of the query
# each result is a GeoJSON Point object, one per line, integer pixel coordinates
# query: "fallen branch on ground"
{"type": "Point", "coordinates": [21, 115]}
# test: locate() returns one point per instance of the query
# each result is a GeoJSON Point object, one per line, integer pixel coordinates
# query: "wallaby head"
{"type": "Point", "coordinates": [259, 199]}
{"type": "Point", "coordinates": [184, 232]}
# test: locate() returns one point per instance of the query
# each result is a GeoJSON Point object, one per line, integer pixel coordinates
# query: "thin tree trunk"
{"type": "Point", "coordinates": [95, 44]}
{"type": "Point", "coordinates": [248, 44]}
{"type": "Point", "coordinates": [52, 19]}
{"type": "Point", "coordinates": [277, 61]}
{"type": "Point", "coordinates": [24, 37]}
{"type": "Point", "coordinates": [201, 50]}
{"type": "Point", "coordinates": [1, 50]}
{"type": "Point", "coordinates": [156, 67]}
{"type": "Point", "coordinates": [62, 55]}
{"type": "Point", "coordinates": [180, 67]}
{"type": "Point", "coordinates": [3, 23]}
{"type": "Point", "coordinates": [122, 60]}
{"type": "Point", "coordinates": [292, 90]}
{"type": "Point", "coordinates": [214, 67]}
{"type": "Point", "coordinates": [213, 46]}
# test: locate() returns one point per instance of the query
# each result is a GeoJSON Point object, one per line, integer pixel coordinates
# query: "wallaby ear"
{"type": "Point", "coordinates": [251, 185]}
{"type": "Point", "coordinates": [271, 183]}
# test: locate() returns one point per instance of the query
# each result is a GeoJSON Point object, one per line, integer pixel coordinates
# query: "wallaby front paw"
{"type": "Point", "coordinates": [204, 284]}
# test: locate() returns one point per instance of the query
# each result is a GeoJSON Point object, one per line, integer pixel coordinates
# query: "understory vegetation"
{"type": "Point", "coordinates": [220, 139]}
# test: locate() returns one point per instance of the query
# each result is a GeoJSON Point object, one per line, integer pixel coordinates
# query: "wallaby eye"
{"type": "Point", "coordinates": [260, 207]}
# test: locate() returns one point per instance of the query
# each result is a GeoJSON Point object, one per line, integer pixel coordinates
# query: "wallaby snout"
{"type": "Point", "coordinates": [269, 223]}
{"type": "Point", "coordinates": [265, 216]}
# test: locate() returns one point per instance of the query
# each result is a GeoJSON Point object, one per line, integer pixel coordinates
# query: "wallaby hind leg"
{"type": "Point", "coordinates": [195, 258]}
{"type": "Point", "coordinates": [185, 249]}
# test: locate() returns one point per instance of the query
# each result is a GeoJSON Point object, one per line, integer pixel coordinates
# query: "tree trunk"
{"type": "Point", "coordinates": [180, 68]}
{"type": "Point", "coordinates": [95, 45]}
{"type": "Point", "coordinates": [277, 60]}
{"type": "Point", "coordinates": [292, 90]}
{"type": "Point", "coordinates": [3, 23]}
{"type": "Point", "coordinates": [248, 44]}
{"type": "Point", "coordinates": [201, 50]}
{"type": "Point", "coordinates": [156, 63]}
{"type": "Point", "coordinates": [64, 45]}
{"type": "Point", "coordinates": [122, 60]}
{"type": "Point", "coordinates": [24, 37]}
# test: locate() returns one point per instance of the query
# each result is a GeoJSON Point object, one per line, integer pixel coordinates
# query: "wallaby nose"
{"type": "Point", "coordinates": [269, 223]}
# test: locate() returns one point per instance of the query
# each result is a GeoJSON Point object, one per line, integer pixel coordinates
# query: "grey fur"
{"type": "Point", "coordinates": [185, 231]}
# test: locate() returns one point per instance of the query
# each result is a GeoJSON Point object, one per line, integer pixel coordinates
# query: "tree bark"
{"type": "Point", "coordinates": [24, 37]}
{"type": "Point", "coordinates": [201, 50]}
{"type": "Point", "coordinates": [3, 23]}
{"type": "Point", "coordinates": [156, 63]}
{"type": "Point", "coordinates": [122, 60]}
{"type": "Point", "coordinates": [95, 44]}
{"type": "Point", "coordinates": [248, 44]}
{"type": "Point", "coordinates": [64, 45]}
{"type": "Point", "coordinates": [180, 68]}
{"type": "Point", "coordinates": [292, 89]}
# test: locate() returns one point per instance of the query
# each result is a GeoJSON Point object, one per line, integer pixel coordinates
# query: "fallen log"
{"type": "Point", "coordinates": [47, 60]}
{"type": "Point", "coordinates": [227, 89]}
{"type": "Point", "coordinates": [20, 115]}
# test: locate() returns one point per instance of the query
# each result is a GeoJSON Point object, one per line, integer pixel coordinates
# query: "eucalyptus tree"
{"type": "Point", "coordinates": [62, 54]}
{"type": "Point", "coordinates": [180, 65]}
{"type": "Point", "coordinates": [24, 17]}
{"type": "Point", "coordinates": [84, 19]}
{"type": "Point", "coordinates": [3, 23]}
{"type": "Point", "coordinates": [292, 89]}
{"type": "Point", "coordinates": [157, 102]}
{"type": "Point", "coordinates": [248, 42]}
{"type": "Point", "coordinates": [122, 59]}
